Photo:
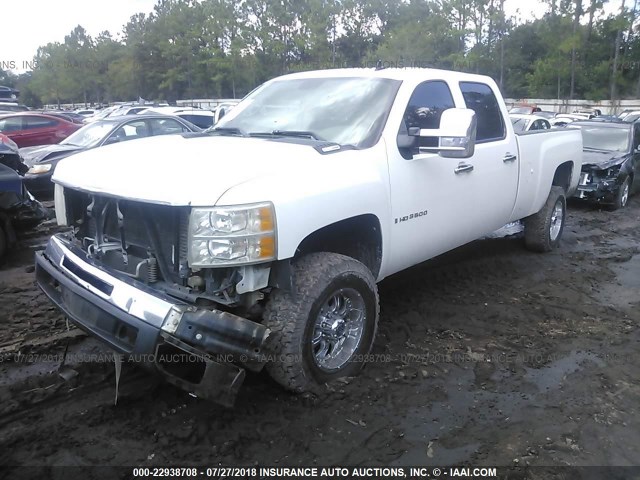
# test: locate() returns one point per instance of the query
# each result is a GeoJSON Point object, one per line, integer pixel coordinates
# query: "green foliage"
{"type": "Point", "coordinates": [224, 48]}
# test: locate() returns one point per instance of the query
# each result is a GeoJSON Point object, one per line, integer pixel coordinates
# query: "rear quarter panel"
{"type": "Point", "coordinates": [541, 153]}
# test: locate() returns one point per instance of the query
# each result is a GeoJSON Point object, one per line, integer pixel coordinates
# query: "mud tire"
{"type": "Point", "coordinates": [291, 316]}
{"type": "Point", "coordinates": [537, 228]}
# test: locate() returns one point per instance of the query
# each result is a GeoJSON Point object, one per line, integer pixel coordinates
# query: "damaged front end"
{"type": "Point", "coordinates": [122, 274]}
{"type": "Point", "coordinates": [18, 208]}
{"type": "Point", "coordinates": [599, 184]}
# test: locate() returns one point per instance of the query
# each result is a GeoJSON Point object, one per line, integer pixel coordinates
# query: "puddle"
{"type": "Point", "coordinates": [629, 273]}
{"type": "Point", "coordinates": [627, 292]}
{"type": "Point", "coordinates": [425, 427]}
{"type": "Point", "coordinates": [552, 376]}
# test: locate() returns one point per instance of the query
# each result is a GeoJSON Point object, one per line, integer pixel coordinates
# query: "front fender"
{"type": "Point", "coordinates": [338, 187]}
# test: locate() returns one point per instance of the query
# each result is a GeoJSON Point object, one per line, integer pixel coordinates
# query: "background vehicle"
{"type": "Point", "coordinates": [85, 112]}
{"type": "Point", "coordinates": [128, 110]}
{"type": "Point", "coordinates": [606, 118]}
{"type": "Point", "coordinates": [12, 107]}
{"type": "Point", "coordinates": [589, 112]}
{"type": "Point", "coordinates": [630, 116]}
{"type": "Point", "coordinates": [525, 123]}
{"type": "Point", "coordinates": [8, 94]}
{"type": "Point", "coordinates": [611, 162]}
{"type": "Point", "coordinates": [262, 241]}
{"type": "Point", "coordinates": [100, 114]}
{"type": "Point", "coordinates": [525, 109]}
{"type": "Point", "coordinates": [202, 118]}
{"type": "Point", "coordinates": [31, 129]}
{"type": "Point", "coordinates": [65, 115]}
{"type": "Point", "coordinates": [18, 209]}
{"type": "Point", "coordinates": [547, 115]}
{"type": "Point", "coordinates": [563, 119]}
{"type": "Point", "coordinates": [626, 112]}
{"type": "Point", "coordinates": [42, 160]}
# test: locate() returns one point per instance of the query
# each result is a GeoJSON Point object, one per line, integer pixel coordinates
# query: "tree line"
{"type": "Point", "coordinates": [225, 48]}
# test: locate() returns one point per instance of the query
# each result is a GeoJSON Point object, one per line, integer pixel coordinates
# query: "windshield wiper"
{"type": "Point", "coordinates": [594, 149]}
{"type": "Point", "coordinates": [288, 133]}
{"type": "Point", "coordinates": [227, 131]}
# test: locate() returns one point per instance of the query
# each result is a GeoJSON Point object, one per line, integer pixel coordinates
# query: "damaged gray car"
{"type": "Point", "coordinates": [610, 162]}
{"type": "Point", "coordinates": [18, 208]}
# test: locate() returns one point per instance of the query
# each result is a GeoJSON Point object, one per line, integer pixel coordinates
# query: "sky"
{"type": "Point", "coordinates": [35, 23]}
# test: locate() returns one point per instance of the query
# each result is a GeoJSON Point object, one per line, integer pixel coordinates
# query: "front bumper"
{"type": "Point", "coordinates": [600, 190]}
{"type": "Point", "coordinates": [147, 325]}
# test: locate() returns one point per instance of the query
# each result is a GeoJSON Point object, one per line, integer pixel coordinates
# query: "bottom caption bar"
{"type": "Point", "coordinates": [328, 473]}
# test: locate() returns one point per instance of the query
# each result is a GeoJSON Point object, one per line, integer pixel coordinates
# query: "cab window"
{"type": "Point", "coordinates": [425, 108]}
{"type": "Point", "coordinates": [480, 98]}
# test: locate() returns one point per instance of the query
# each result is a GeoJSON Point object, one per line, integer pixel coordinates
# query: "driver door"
{"type": "Point", "coordinates": [441, 203]}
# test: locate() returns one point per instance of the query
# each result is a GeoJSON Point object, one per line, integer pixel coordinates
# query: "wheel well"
{"type": "Point", "coordinates": [562, 177]}
{"type": "Point", "coordinates": [357, 237]}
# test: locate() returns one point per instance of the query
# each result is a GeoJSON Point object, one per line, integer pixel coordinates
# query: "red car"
{"type": "Point", "coordinates": [31, 129]}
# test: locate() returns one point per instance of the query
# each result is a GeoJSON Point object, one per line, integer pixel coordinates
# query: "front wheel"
{"type": "Point", "coordinates": [325, 327]}
{"type": "Point", "coordinates": [543, 230]}
{"type": "Point", "coordinates": [622, 195]}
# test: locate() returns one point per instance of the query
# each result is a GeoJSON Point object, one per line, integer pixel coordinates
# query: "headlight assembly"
{"type": "Point", "coordinates": [613, 171]}
{"type": "Point", "coordinates": [234, 235]}
{"type": "Point", "coordinates": [39, 169]}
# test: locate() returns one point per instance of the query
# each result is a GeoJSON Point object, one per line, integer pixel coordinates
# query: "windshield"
{"type": "Point", "coordinates": [105, 112]}
{"type": "Point", "coordinates": [89, 135]}
{"type": "Point", "coordinates": [343, 110]}
{"type": "Point", "coordinates": [609, 139]}
{"type": "Point", "coordinates": [520, 124]}
{"type": "Point", "coordinates": [632, 117]}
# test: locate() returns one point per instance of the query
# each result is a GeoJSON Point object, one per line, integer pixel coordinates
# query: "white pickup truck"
{"type": "Point", "coordinates": [260, 242]}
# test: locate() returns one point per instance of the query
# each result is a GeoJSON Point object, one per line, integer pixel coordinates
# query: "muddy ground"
{"type": "Point", "coordinates": [491, 355]}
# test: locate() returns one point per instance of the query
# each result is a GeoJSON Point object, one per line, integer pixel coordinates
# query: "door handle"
{"type": "Point", "coordinates": [463, 167]}
{"type": "Point", "coordinates": [509, 157]}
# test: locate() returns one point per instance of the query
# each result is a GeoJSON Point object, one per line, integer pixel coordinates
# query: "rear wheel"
{"type": "Point", "coordinates": [543, 230]}
{"type": "Point", "coordinates": [324, 328]}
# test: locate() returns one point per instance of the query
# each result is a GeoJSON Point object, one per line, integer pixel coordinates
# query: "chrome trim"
{"type": "Point", "coordinates": [128, 298]}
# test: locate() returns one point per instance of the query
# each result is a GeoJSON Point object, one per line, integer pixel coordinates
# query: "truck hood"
{"type": "Point", "coordinates": [184, 170]}
{"type": "Point", "coordinates": [602, 160]}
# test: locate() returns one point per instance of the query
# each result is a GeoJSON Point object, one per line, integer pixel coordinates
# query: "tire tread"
{"type": "Point", "coordinates": [311, 274]}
